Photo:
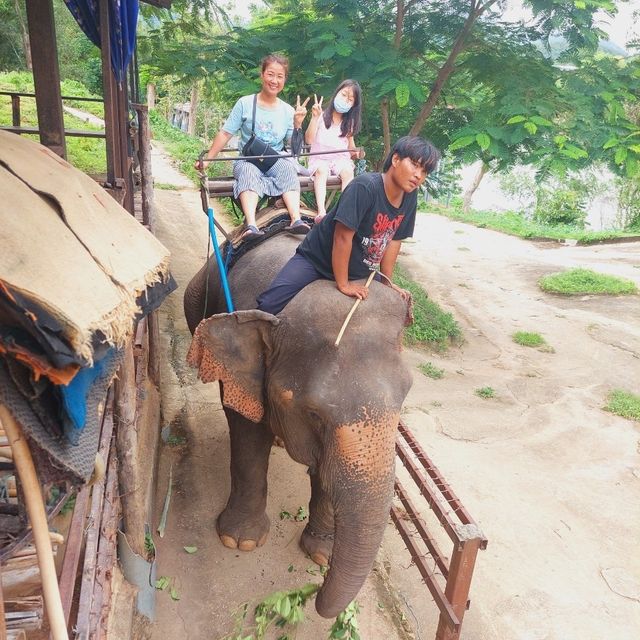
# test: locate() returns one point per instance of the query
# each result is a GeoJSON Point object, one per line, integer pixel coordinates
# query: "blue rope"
{"type": "Point", "coordinates": [221, 266]}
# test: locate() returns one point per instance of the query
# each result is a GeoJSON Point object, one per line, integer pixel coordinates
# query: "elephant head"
{"type": "Point", "coordinates": [335, 407]}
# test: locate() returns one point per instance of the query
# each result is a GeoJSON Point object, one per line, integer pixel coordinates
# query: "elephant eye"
{"type": "Point", "coordinates": [314, 416]}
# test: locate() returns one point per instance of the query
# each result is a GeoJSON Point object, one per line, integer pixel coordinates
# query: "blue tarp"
{"type": "Point", "coordinates": [123, 15]}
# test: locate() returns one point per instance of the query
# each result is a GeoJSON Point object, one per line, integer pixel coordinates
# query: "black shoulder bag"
{"type": "Point", "coordinates": [268, 156]}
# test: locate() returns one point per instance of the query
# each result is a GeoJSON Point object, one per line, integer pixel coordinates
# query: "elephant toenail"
{"type": "Point", "coordinates": [229, 542]}
{"type": "Point", "coordinates": [247, 545]}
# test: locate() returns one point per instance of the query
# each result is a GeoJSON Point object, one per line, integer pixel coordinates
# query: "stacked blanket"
{"type": "Point", "coordinates": [76, 273]}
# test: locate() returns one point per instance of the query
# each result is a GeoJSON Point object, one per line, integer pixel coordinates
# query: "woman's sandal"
{"type": "Point", "coordinates": [252, 231]}
{"type": "Point", "coordinates": [299, 227]}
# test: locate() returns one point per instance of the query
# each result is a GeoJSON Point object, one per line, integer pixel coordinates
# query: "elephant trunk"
{"type": "Point", "coordinates": [361, 500]}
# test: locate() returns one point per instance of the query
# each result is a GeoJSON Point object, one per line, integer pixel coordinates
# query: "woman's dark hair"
{"type": "Point", "coordinates": [275, 58]}
{"type": "Point", "coordinates": [351, 120]}
{"type": "Point", "coordinates": [416, 148]}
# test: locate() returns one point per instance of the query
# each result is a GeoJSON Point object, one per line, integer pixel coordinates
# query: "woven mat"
{"type": "Point", "coordinates": [68, 246]}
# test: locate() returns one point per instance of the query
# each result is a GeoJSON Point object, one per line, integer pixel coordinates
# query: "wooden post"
{"type": "Point", "coordinates": [15, 110]}
{"type": "Point", "coordinates": [146, 172]}
{"type": "Point", "coordinates": [39, 525]}
{"type": "Point", "coordinates": [73, 549]}
{"type": "Point", "coordinates": [461, 567]}
{"type": "Point", "coordinates": [131, 486]}
{"type": "Point", "coordinates": [3, 626]}
{"type": "Point", "coordinates": [151, 95]}
{"type": "Point", "coordinates": [46, 75]}
{"type": "Point", "coordinates": [154, 348]}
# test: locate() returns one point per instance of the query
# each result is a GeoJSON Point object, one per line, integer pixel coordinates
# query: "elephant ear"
{"type": "Point", "coordinates": [231, 347]}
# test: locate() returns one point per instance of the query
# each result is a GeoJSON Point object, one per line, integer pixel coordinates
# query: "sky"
{"type": "Point", "coordinates": [621, 29]}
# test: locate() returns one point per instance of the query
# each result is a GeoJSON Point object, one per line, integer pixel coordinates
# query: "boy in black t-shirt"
{"type": "Point", "coordinates": [363, 230]}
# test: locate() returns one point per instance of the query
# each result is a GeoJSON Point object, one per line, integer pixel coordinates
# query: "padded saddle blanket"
{"type": "Point", "coordinates": [70, 250]}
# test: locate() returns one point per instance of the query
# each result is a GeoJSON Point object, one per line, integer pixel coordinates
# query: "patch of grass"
{"type": "Point", "coordinates": [175, 440]}
{"type": "Point", "coordinates": [87, 154]}
{"type": "Point", "coordinates": [485, 392]}
{"type": "Point", "coordinates": [431, 326]}
{"type": "Point", "coordinates": [584, 281]}
{"type": "Point", "coordinates": [624, 403]}
{"type": "Point", "coordinates": [431, 371]}
{"type": "Point", "coordinates": [165, 186]}
{"type": "Point", "coordinates": [528, 339]}
{"type": "Point", "coordinates": [514, 224]}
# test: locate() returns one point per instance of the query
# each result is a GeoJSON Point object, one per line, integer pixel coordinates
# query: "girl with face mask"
{"type": "Point", "coordinates": [333, 129]}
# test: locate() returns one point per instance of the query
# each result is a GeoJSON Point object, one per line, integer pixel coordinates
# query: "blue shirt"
{"type": "Point", "coordinates": [273, 126]}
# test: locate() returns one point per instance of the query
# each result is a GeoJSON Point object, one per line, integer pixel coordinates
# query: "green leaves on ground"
{"type": "Point", "coordinates": [584, 281]}
{"type": "Point", "coordinates": [300, 515]}
{"type": "Point", "coordinates": [485, 392]}
{"type": "Point", "coordinates": [190, 549]}
{"type": "Point", "coordinates": [346, 625]}
{"type": "Point", "coordinates": [285, 609]}
{"type": "Point", "coordinates": [624, 403]}
{"type": "Point", "coordinates": [431, 371]}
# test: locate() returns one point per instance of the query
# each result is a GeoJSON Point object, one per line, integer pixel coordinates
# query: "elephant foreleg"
{"type": "Point", "coordinates": [317, 537]}
{"type": "Point", "coordinates": [244, 523]}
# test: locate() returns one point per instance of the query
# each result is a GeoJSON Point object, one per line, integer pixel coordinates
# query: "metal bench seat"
{"type": "Point", "coordinates": [223, 186]}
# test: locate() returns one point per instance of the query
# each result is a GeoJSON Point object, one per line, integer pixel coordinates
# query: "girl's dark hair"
{"type": "Point", "coordinates": [351, 121]}
{"type": "Point", "coordinates": [416, 148]}
{"type": "Point", "coordinates": [275, 58]}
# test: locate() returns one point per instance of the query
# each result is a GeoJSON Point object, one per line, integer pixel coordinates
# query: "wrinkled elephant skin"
{"type": "Point", "coordinates": [335, 408]}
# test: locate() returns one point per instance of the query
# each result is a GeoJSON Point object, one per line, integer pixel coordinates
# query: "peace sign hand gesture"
{"type": "Point", "coordinates": [299, 113]}
{"type": "Point", "coordinates": [316, 109]}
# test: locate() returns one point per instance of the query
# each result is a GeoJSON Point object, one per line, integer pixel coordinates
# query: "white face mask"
{"type": "Point", "coordinates": [341, 105]}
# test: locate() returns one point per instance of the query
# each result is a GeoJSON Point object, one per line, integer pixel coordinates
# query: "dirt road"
{"type": "Point", "coordinates": [553, 481]}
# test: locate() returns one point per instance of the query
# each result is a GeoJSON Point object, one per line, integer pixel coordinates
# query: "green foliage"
{"type": "Point", "coordinates": [528, 339]}
{"type": "Point", "coordinates": [346, 625]}
{"type": "Point", "coordinates": [561, 207]}
{"type": "Point", "coordinates": [149, 545]}
{"type": "Point", "coordinates": [431, 325]}
{"type": "Point", "coordinates": [584, 281]}
{"type": "Point", "coordinates": [485, 393]}
{"type": "Point", "coordinates": [431, 371]}
{"type": "Point", "coordinates": [87, 154]}
{"type": "Point", "coordinates": [300, 515]}
{"type": "Point", "coordinates": [624, 403]}
{"type": "Point", "coordinates": [629, 203]}
{"type": "Point", "coordinates": [515, 224]}
{"type": "Point", "coordinates": [280, 609]}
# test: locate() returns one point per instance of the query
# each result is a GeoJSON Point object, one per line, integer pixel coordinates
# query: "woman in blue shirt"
{"type": "Point", "coordinates": [275, 121]}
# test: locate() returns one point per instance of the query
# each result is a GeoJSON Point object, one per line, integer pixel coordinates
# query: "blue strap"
{"type": "Point", "coordinates": [221, 267]}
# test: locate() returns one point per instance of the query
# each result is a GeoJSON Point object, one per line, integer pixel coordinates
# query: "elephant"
{"type": "Point", "coordinates": [336, 408]}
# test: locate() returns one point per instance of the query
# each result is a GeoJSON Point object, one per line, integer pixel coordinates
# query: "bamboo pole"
{"type": "Point", "coordinates": [3, 626]}
{"type": "Point", "coordinates": [355, 306]}
{"type": "Point", "coordinates": [38, 518]}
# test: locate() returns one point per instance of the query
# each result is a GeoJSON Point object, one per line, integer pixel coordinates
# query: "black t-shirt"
{"type": "Point", "coordinates": [364, 208]}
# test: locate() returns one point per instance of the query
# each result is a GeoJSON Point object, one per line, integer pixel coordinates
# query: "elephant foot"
{"type": "Point", "coordinates": [318, 546]}
{"type": "Point", "coordinates": [245, 536]}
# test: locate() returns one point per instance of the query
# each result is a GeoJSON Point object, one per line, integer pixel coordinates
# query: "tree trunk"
{"type": "Point", "coordinates": [468, 194]}
{"type": "Point", "coordinates": [193, 107]}
{"type": "Point", "coordinates": [26, 45]}
{"type": "Point", "coordinates": [151, 95]}
{"type": "Point", "coordinates": [386, 129]}
{"type": "Point", "coordinates": [475, 11]}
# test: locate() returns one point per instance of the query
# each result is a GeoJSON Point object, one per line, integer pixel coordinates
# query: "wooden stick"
{"type": "Point", "coordinates": [38, 517]}
{"type": "Point", "coordinates": [3, 627]}
{"type": "Point", "coordinates": [355, 306]}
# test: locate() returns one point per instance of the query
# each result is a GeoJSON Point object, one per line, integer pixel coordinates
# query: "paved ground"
{"type": "Point", "coordinates": [552, 479]}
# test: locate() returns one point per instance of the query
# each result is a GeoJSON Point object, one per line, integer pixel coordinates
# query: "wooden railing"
{"type": "Point", "coordinates": [450, 580]}
{"type": "Point", "coordinates": [16, 118]}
